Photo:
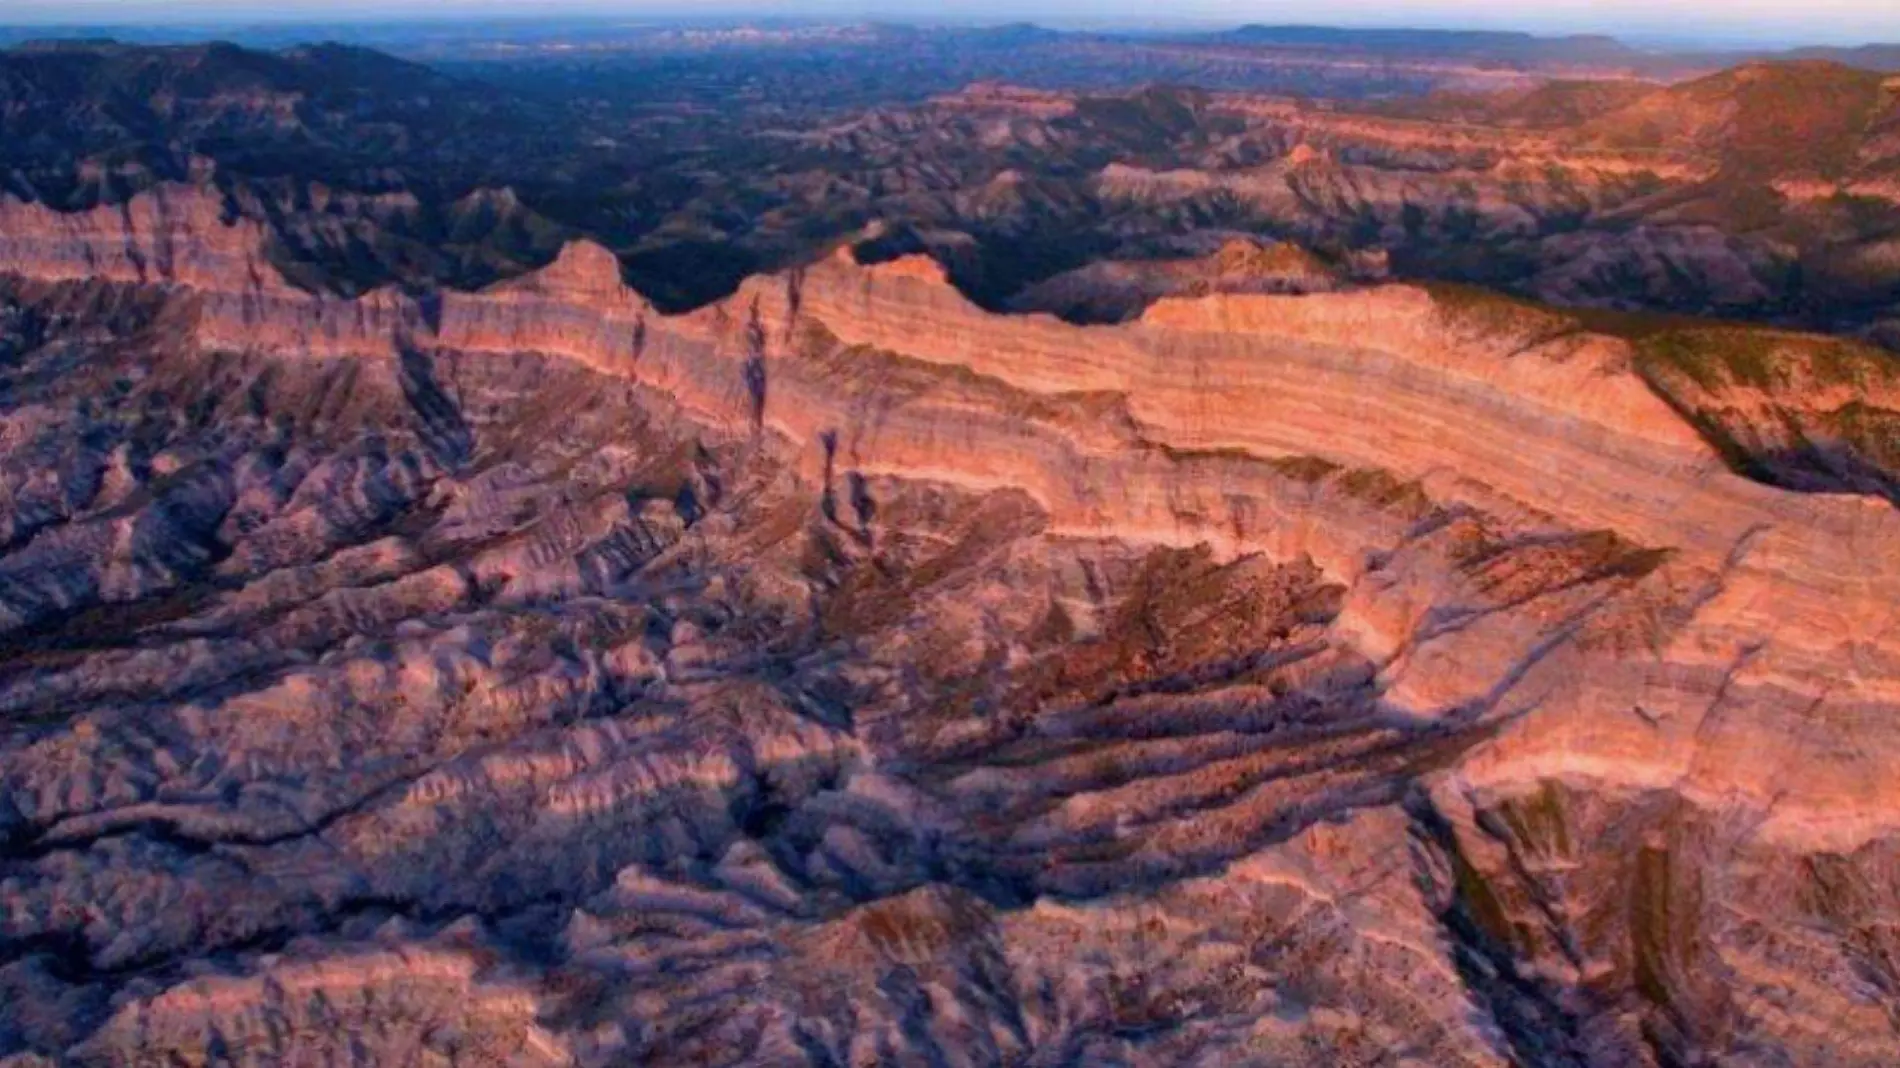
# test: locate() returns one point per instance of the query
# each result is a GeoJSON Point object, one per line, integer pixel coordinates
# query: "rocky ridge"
{"type": "Point", "coordinates": [368, 171]}
{"type": "Point", "coordinates": [840, 672]}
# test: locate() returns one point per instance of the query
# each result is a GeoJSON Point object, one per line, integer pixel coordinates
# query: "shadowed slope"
{"type": "Point", "coordinates": [840, 671]}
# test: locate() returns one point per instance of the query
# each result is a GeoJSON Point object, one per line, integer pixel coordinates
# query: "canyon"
{"type": "Point", "coordinates": [1297, 667]}
{"type": "Point", "coordinates": [1588, 190]}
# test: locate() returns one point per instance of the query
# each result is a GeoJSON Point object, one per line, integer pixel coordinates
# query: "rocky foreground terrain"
{"type": "Point", "coordinates": [1297, 669]}
{"type": "Point", "coordinates": [692, 553]}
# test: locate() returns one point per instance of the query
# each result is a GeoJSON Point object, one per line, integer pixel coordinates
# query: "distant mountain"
{"type": "Point", "coordinates": [1766, 121]}
{"type": "Point", "coordinates": [135, 115]}
{"type": "Point", "coordinates": [1473, 45]}
{"type": "Point", "coordinates": [1881, 57]}
{"type": "Point", "coordinates": [1574, 54]}
{"type": "Point", "coordinates": [1762, 192]}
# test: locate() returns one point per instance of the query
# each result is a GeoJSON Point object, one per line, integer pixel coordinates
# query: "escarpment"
{"type": "Point", "coordinates": [1176, 429]}
{"type": "Point", "coordinates": [842, 672]}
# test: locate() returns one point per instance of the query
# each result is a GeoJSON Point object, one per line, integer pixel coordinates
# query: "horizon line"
{"type": "Point", "coordinates": [177, 22]}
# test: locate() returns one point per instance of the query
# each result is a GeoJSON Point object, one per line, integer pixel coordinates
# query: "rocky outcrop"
{"type": "Point", "coordinates": [1805, 412]}
{"type": "Point", "coordinates": [174, 235]}
{"type": "Point", "coordinates": [840, 671]}
{"type": "Point", "coordinates": [1117, 291]}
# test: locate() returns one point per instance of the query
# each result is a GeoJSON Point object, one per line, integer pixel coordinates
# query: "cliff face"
{"type": "Point", "coordinates": [175, 235]}
{"type": "Point", "coordinates": [1388, 668]}
{"type": "Point", "coordinates": [1494, 408]}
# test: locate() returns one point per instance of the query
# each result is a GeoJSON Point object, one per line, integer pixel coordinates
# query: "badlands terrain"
{"type": "Point", "coordinates": [495, 575]}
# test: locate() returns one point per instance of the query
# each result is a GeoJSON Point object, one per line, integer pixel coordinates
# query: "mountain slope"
{"type": "Point", "coordinates": [372, 172]}
{"type": "Point", "coordinates": [94, 124]}
{"type": "Point", "coordinates": [1763, 122]}
{"type": "Point", "coordinates": [842, 672]}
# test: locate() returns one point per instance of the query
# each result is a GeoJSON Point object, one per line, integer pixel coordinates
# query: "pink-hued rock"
{"type": "Point", "coordinates": [1286, 651]}
{"type": "Point", "coordinates": [1513, 410]}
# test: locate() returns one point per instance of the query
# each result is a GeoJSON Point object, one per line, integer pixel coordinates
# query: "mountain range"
{"type": "Point", "coordinates": [706, 557]}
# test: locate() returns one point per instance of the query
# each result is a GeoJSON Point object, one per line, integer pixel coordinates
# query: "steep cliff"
{"type": "Point", "coordinates": [840, 672]}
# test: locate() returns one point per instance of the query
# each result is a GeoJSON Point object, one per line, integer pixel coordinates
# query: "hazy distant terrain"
{"type": "Point", "coordinates": [1537, 166]}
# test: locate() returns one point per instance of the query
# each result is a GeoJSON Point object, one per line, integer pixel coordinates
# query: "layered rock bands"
{"type": "Point", "coordinates": [1596, 763]}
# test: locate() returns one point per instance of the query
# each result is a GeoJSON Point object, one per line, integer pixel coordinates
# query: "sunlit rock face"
{"type": "Point", "coordinates": [841, 674]}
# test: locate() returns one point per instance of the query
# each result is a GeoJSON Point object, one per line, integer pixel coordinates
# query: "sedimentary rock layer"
{"type": "Point", "coordinates": [841, 622]}
{"type": "Point", "coordinates": [1489, 406]}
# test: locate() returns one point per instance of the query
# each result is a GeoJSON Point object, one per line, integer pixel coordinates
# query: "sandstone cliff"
{"type": "Point", "coordinates": [1268, 676]}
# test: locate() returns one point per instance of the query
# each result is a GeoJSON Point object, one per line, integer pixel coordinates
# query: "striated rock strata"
{"type": "Point", "coordinates": [842, 674]}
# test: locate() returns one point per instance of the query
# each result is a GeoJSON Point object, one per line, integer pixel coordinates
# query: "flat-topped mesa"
{"type": "Point", "coordinates": [998, 96]}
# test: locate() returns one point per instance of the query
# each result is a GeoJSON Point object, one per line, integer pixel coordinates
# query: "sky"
{"type": "Point", "coordinates": [1716, 21]}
